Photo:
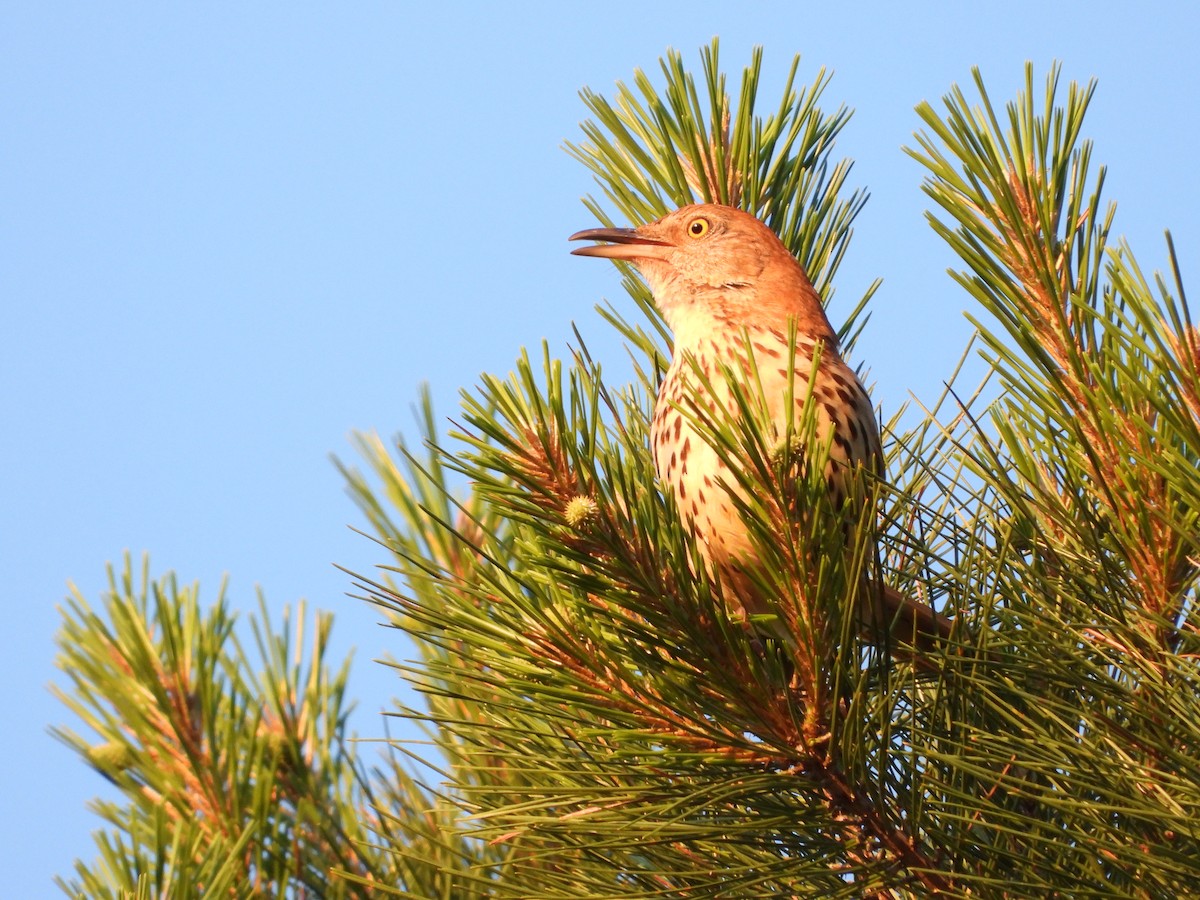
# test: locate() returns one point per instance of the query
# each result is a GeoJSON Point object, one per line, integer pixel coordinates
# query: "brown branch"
{"type": "Point", "coordinates": [707, 154]}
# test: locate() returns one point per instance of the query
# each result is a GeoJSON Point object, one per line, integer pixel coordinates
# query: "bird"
{"type": "Point", "coordinates": [737, 301]}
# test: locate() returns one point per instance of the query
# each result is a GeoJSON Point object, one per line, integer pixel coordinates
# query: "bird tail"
{"type": "Point", "coordinates": [916, 631]}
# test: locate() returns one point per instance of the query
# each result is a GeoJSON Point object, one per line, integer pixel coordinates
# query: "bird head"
{"type": "Point", "coordinates": [714, 260]}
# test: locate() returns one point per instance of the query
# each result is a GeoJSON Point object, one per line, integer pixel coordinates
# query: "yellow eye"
{"type": "Point", "coordinates": [698, 228]}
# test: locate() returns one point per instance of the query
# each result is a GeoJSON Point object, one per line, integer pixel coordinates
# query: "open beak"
{"type": "Point", "coordinates": [623, 243]}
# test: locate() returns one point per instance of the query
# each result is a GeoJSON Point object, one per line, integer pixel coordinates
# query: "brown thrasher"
{"type": "Point", "coordinates": [726, 285]}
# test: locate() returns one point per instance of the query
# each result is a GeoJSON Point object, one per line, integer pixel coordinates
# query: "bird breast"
{"type": "Point", "coordinates": [693, 470]}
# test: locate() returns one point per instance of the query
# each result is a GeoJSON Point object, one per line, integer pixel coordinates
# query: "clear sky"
{"type": "Point", "coordinates": [230, 234]}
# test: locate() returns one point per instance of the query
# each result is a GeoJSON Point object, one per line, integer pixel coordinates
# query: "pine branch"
{"type": "Point", "coordinates": [1091, 389]}
{"type": "Point", "coordinates": [1089, 485]}
{"type": "Point", "coordinates": [232, 778]}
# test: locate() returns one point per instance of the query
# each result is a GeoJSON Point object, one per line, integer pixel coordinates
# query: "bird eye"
{"type": "Point", "coordinates": [698, 228]}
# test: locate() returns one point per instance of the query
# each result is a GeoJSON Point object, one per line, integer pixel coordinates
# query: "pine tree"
{"type": "Point", "coordinates": [601, 726]}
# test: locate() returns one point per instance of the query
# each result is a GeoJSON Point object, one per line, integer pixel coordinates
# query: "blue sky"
{"type": "Point", "coordinates": [232, 234]}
